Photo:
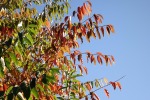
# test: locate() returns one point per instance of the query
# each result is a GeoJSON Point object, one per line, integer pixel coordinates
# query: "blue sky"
{"type": "Point", "coordinates": [129, 45]}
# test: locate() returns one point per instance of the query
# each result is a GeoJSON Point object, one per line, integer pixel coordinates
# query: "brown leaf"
{"type": "Point", "coordinates": [102, 30]}
{"type": "Point", "coordinates": [106, 59]}
{"type": "Point", "coordinates": [89, 2]}
{"type": "Point", "coordinates": [65, 60]}
{"type": "Point", "coordinates": [66, 18]}
{"type": "Point", "coordinates": [85, 69]}
{"type": "Point", "coordinates": [79, 10]}
{"type": "Point", "coordinates": [92, 58]}
{"type": "Point", "coordinates": [113, 59]}
{"type": "Point", "coordinates": [108, 30]}
{"type": "Point", "coordinates": [97, 31]}
{"type": "Point", "coordinates": [91, 23]}
{"type": "Point", "coordinates": [88, 86]}
{"type": "Point", "coordinates": [79, 57]}
{"type": "Point", "coordinates": [106, 92]}
{"type": "Point", "coordinates": [69, 24]}
{"type": "Point", "coordinates": [80, 67]}
{"type": "Point", "coordinates": [94, 95]}
{"type": "Point", "coordinates": [88, 35]}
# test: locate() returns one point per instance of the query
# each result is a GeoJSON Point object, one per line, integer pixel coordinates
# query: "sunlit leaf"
{"type": "Point", "coordinates": [102, 30]}
{"type": "Point", "coordinates": [118, 85]}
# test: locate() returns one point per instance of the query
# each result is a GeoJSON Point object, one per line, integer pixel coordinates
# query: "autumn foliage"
{"type": "Point", "coordinates": [38, 52]}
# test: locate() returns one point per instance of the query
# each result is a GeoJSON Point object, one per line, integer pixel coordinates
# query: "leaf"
{"type": "Point", "coordinates": [102, 30]}
{"type": "Point", "coordinates": [89, 2]}
{"type": "Point", "coordinates": [13, 58]}
{"type": "Point", "coordinates": [108, 30]}
{"type": "Point", "coordinates": [106, 60]}
{"type": "Point", "coordinates": [105, 80]}
{"type": "Point", "coordinates": [106, 92]}
{"type": "Point", "coordinates": [79, 57]}
{"type": "Point", "coordinates": [113, 59]}
{"type": "Point", "coordinates": [29, 37]}
{"type": "Point", "coordinates": [95, 95]}
{"type": "Point", "coordinates": [80, 67]}
{"type": "Point", "coordinates": [83, 10]}
{"type": "Point", "coordinates": [111, 27]}
{"type": "Point", "coordinates": [79, 16]}
{"type": "Point", "coordinates": [97, 31]}
{"type": "Point", "coordinates": [33, 83]}
{"type": "Point", "coordinates": [35, 93]}
{"type": "Point", "coordinates": [85, 69]}
{"type": "Point", "coordinates": [113, 84]}
{"type": "Point", "coordinates": [88, 86]}
{"type": "Point", "coordinates": [73, 14]}
{"type": "Point", "coordinates": [118, 85]}
{"type": "Point", "coordinates": [88, 35]}
{"type": "Point", "coordinates": [97, 84]}
{"type": "Point", "coordinates": [92, 58]}
{"type": "Point", "coordinates": [99, 59]}
{"type": "Point", "coordinates": [66, 18]}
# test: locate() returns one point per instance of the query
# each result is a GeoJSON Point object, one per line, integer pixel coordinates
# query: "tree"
{"type": "Point", "coordinates": [38, 52]}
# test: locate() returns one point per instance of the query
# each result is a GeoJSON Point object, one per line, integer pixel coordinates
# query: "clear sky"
{"type": "Point", "coordinates": [130, 46]}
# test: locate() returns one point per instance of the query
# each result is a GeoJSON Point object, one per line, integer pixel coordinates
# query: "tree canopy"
{"type": "Point", "coordinates": [38, 50]}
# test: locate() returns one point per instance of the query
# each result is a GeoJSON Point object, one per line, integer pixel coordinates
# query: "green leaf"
{"type": "Point", "coordinates": [40, 87]}
{"type": "Point", "coordinates": [35, 93]}
{"type": "Point", "coordinates": [1, 70]}
{"type": "Point", "coordinates": [8, 90]}
{"type": "Point", "coordinates": [32, 26]}
{"type": "Point", "coordinates": [29, 37]}
{"type": "Point", "coordinates": [13, 57]}
{"type": "Point", "coordinates": [54, 70]}
{"type": "Point", "coordinates": [7, 62]}
{"type": "Point", "coordinates": [77, 75]}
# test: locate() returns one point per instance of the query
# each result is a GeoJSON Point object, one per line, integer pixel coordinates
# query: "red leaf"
{"type": "Point", "coordinates": [113, 59]}
{"type": "Point", "coordinates": [113, 84]}
{"type": "Point", "coordinates": [66, 18]}
{"type": "Point", "coordinates": [92, 58]}
{"type": "Point", "coordinates": [98, 33]}
{"type": "Point", "coordinates": [106, 92]}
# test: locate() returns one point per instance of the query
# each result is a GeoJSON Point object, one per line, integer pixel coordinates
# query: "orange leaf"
{"type": "Point", "coordinates": [102, 30]}
{"type": "Point", "coordinates": [111, 28]}
{"type": "Point", "coordinates": [79, 10]}
{"type": "Point", "coordinates": [92, 58]}
{"type": "Point", "coordinates": [118, 85]}
{"type": "Point", "coordinates": [85, 69]}
{"type": "Point", "coordinates": [83, 10]}
{"type": "Point", "coordinates": [99, 59]}
{"type": "Point", "coordinates": [106, 92]}
{"type": "Point", "coordinates": [113, 59]}
{"type": "Point", "coordinates": [79, 16]}
{"type": "Point", "coordinates": [106, 59]}
{"type": "Point", "coordinates": [88, 86]}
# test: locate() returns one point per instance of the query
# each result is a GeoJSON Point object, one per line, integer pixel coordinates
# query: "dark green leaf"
{"type": "Point", "coordinates": [10, 96]}
{"type": "Point", "coordinates": [15, 90]}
